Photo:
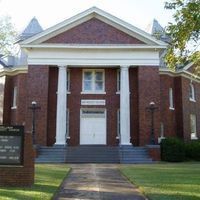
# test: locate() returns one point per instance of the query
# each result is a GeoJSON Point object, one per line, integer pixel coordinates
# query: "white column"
{"type": "Point", "coordinates": [61, 106]}
{"type": "Point", "coordinates": [124, 106]}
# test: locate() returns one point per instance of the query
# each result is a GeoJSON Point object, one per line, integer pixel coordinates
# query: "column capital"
{"type": "Point", "coordinates": [124, 67]}
{"type": "Point", "coordinates": [62, 66]}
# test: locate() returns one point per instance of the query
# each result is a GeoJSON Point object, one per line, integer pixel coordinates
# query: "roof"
{"type": "Point", "coordinates": [156, 30]}
{"type": "Point", "coordinates": [32, 28]}
{"type": "Point", "coordinates": [85, 16]}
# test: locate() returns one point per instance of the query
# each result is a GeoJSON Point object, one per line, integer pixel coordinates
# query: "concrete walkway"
{"type": "Point", "coordinates": [97, 181]}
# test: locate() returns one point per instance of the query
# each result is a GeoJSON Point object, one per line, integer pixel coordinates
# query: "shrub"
{"type": "Point", "coordinates": [192, 150]}
{"type": "Point", "coordinates": [172, 150]}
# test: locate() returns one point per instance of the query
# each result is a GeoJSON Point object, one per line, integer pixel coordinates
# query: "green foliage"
{"type": "Point", "coordinates": [166, 181]}
{"type": "Point", "coordinates": [7, 36]}
{"type": "Point", "coordinates": [172, 150]}
{"type": "Point", "coordinates": [192, 150]}
{"type": "Point", "coordinates": [184, 33]}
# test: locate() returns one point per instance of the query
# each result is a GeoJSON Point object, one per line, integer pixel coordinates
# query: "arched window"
{"type": "Point", "coordinates": [192, 92]}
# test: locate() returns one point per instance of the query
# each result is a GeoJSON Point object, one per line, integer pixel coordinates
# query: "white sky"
{"type": "Point", "coordinates": [50, 12]}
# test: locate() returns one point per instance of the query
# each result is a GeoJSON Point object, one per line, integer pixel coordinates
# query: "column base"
{"type": "Point", "coordinates": [126, 144]}
{"type": "Point", "coordinates": [60, 145]}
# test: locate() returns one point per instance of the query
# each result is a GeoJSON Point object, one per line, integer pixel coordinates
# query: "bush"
{"type": "Point", "coordinates": [192, 150]}
{"type": "Point", "coordinates": [172, 150]}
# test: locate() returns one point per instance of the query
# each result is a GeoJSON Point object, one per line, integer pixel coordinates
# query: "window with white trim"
{"type": "Point", "coordinates": [193, 126]}
{"type": "Point", "coordinates": [68, 80]}
{"type": "Point", "coordinates": [171, 99]}
{"type": "Point", "coordinates": [118, 123]}
{"type": "Point", "coordinates": [93, 81]}
{"type": "Point", "coordinates": [67, 124]}
{"type": "Point", "coordinates": [192, 92]}
{"type": "Point", "coordinates": [118, 80]}
{"type": "Point", "coordinates": [14, 102]}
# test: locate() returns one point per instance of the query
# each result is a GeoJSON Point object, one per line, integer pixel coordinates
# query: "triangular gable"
{"type": "Point", "coordinates": [129, 30]}
{"type": "Point", "coordinates": [94, 31]}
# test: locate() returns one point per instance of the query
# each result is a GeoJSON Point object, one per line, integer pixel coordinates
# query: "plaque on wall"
{"type": "Point", "coordinates": [11, 145]}
{"type": "Point", "coordinates": [93, 102]}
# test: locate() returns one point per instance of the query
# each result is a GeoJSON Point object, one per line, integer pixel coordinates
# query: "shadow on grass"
{"type": "Point", "coordinates": [37, 191]}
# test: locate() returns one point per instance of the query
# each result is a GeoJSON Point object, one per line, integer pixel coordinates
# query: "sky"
{"type": "Point", "coordinates": [50, 12]}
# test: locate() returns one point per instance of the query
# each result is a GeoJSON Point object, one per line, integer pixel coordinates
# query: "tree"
{"type": "Point", "coordinates": [7, 36]}
{"type": "Point", "coordinates": [184, 33]}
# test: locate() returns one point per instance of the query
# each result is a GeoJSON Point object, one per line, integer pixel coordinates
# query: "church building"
{"type": "Point", "coordinates": [98, 81]}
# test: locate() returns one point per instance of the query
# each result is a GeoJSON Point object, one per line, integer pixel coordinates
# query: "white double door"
{"type": "Point", "coordinates": [93, 127]}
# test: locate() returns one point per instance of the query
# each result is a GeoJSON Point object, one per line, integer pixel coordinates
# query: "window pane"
{"type": "Point", "coordinates": [88, 76]}
{"type": "Point", "coordinates": [193, 125]}
{"type": "Point", "coordinates": [99, 85]}
{"type": "Point", "coordinates": [87, 85]}
{"type": "Point", "coordinates": [118, 80]}
{"type": "Point", "coordinates": [99, 76]}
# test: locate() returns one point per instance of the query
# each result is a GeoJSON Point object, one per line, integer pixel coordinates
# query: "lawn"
{"type": "Point", "coordinates": [47, 180]}
{"type": "Point", "coordinates": [176, 181]}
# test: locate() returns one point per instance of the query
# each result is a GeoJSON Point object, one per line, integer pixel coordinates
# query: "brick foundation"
{"type": "Point", "coordinates": [154, 152]}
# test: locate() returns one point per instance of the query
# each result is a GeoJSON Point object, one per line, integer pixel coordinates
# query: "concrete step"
{"type": "Point", "coordinates": [93, 154]}
{"type": "Point", "coordinates": [130, 154]}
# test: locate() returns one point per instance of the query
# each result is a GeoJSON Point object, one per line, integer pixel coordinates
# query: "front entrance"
{"type": "Point", "coordinates": [93, 126]}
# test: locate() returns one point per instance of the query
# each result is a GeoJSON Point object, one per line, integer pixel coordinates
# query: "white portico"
{"type": "Point", "coordinates": [123, 56]}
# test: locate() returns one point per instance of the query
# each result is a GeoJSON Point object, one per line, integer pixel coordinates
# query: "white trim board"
{"type": "Point", "coordinates": [93, 56]}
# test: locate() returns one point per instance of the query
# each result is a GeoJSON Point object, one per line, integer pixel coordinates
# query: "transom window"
{"type": "Point", "coordinates": [93, 81]}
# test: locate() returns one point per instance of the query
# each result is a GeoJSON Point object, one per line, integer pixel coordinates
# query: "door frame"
{"type": "Point", "coordinates": [93, 109]}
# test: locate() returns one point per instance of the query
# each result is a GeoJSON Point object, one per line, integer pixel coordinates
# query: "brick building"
{"type": "Point", "coordinates": [94, 76]}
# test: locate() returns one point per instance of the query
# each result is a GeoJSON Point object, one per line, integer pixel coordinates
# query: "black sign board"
{"type": "Point", "coordinates": [11, 145]}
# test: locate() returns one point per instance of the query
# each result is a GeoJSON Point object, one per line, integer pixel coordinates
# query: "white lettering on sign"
{"type": "Point", "coordinates": [93, 102]}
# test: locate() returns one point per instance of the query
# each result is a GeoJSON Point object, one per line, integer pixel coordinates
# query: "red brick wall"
{"type": "Point", "coordinates": [190, 107]}
{"type": "Point", "coordinates": [37, 90]}
{"type": "Point", "coordinates": [52, 105]}
{"type": "Point", "coordinates": [134, 128]}
{"type": "Point", "coordinates": [168, 116]}
{"type": "Point", "coordinates": [148, 91]}
{"type": "Point", "coordinates": [7, 100]}
{"type": "Point", "coordinates": [20, 175]}
{"type": "Point", "coordinates": [177, 122]}
{"type": "Point", "coordinates": [178, 106]}
{"type": "Point", "coordinates": [94, 31]}
{"type": "Point", "coordinates": [15, 116]}
{"type": "Point", "coordinates": [74, 100]}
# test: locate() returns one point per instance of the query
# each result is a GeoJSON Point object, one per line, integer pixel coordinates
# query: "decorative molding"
{"type": "Point", "coordinates": [182, 73]}
{"type": "Point", "coordinates": [13, 71]}
{"type": "Point", "coordinates": [89, 46]}
{"type": "Point", "coordinates": [93, 56]}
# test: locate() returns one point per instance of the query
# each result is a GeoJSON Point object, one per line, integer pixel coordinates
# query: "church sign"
{"type": "Point", "coordinates": [11, 145]}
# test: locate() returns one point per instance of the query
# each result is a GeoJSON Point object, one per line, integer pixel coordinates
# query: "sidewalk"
{"type": "Point", "coordinates": [99, 182]}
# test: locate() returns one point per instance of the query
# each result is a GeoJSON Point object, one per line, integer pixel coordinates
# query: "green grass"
{"type": "Point", "coordinates": [166, 181]}
{"type": "Point", "coordinates": [47, 180]}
